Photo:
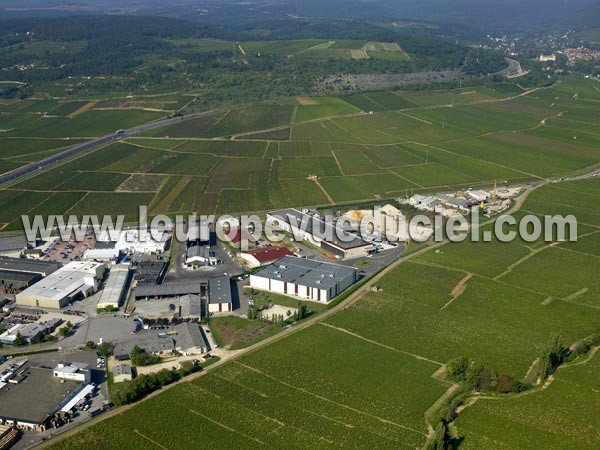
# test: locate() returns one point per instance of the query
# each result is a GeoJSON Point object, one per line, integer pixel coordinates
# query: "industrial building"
{"type": "Point", "coordinates": [190, 339]}
{"type": "Point", "coordinates": [102, 254]}
{"type": "Point", "coordinates": [17, 274]}
{"type": "Point", "coordinates": [122, 372]}
{"type": "Point", "coordinates": [200, 256]}
{"type": "Point", "coordinates": [311, 227]}
{"type": "Point", "coordinates": [31, 401]}
{"type": "Point", "coordinates": [133, 241]}
{"type": "Point", "coordinates": [29, 332]}
{"type": "Point", "coordinates": [73, 371]}
{"type": "Point", "coordinates": [264, 255]}
{"type": "Point", "coordinates": [191, 306]}
{"type": "Point", "coordinates": [219, 295]}
{"type": "Point", "coordinates": [167, 290]}
{"type": "Point", "coordinates": [305, 279]}
{"type": "Point", "coordinates": [116, 288]}
{"type": "Point", "coordinates": [151, 342]}
{"type": "Point", "coordinates": [75, 280]}
{"type": "Point", "coordinates": [23, 265]}
{"type": "Point", "coordinates": [13, 245]}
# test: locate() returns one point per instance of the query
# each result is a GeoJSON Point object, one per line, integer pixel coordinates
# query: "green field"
{"type": "Point", "coordinates": [261, 400]}
{"type": "Point", "coordinates": [259, 157]}
{"type": "Point", "coordinates": [562, 416]}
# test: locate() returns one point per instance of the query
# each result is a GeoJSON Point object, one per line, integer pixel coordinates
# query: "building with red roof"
{"type": "Point", "coordinates": [264, 255]}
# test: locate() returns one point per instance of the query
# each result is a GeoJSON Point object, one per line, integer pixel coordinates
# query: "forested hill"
{"type": "Point", "coordinates": [172, 54]}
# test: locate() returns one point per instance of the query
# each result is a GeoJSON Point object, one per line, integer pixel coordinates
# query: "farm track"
{"type": "Point", "coordinates": [353, 298]}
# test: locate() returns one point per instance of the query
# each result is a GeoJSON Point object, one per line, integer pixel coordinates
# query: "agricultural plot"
{"type": "Point", "coordinates": [196, 127]}
{"type": "Point", "coordinates": [561, 416]}
{"type": "Point", "coordinates": [185, 164]}
{"type": "Point", "coordinates": [92, 123]}
{"type": "Point", "coordinates": [356, 163]}
{"type": "Point", "coordinates": [19, 148]}
{"type": "Point", "coordinates": [365, 187]}
{"type": "Point", "coordinates": [262, 401]}
{"type": "Point", "coordinates": [224, 148]}
{"type": "Point", "coordinates": [363, 157]}
{"type": "Point", "coordinates": [494, 323]}
{"type": "Point", "coordinates": [302, 167]}
{"type": "Point", "coordinates": [112, 204]}
{"type": "Point", "coordinates": [320, 107]}
{"type": "Point", "coordinates": [392, 156]}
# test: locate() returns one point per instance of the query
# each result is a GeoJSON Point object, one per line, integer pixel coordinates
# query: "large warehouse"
{"type": "Point", "coordinates": [290, 220]}
{"type": "Point", "coordinates": [116, 288]}
{"type": "Point", "coordinates": [75, 280]}
{"type": "Point", "coordinates": [305, 279]}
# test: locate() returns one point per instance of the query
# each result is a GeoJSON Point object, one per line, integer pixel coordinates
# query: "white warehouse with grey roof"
{"type": "Point", "coordinates": [305, 279]}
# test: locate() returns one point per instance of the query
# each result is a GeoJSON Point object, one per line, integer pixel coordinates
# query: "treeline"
{"type": "Point", "coordinates": [474, 378]}
{"type": "Point", "coordinates": [144, 384]}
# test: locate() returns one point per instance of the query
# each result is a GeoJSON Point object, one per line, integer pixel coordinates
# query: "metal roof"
{"type": "Point", "coordinates": [117, 280]}
{"type": "Point", "coordinates": [167, 290]}
{"type": "Point", "coordinates": [312, 223]}
{"type": "Point", "coordinates": [306, 272]}
{"type": "Point", "coordinates": [219, 290]}
{"type": "Point", "coordinates": [29, 265]}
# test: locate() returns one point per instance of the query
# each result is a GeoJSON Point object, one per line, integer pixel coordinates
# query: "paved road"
{"type": "Point", "coordinates": [513, 68]}
{"type": "Point", "coordinates": [354, 297]}
{"type": "Point", "coordinates": [77, 149]}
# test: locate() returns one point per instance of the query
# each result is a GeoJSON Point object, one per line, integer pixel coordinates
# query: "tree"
{"type": "Point", "coordinates": [19, 340]}
{"type": "Point", "coordinates": [441, 438]}
{"type": "Point", "coordinates": [66, 330]}
{"type": "Point", "coordinates": [505, 384]}
{"type": "Point", "coordinates": [105, 349]}
{"type": "Point", "coordinates": [457, 368]}
{"type": "Point", "coordinates": [90, 345]}
{"type": "Point", "coordinates": [302, 311]}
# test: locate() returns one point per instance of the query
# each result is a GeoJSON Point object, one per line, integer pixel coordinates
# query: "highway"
{"type": "Point", "coordinates": [72, 151]}
{"type": "Point", "coordinates": [512, 70]}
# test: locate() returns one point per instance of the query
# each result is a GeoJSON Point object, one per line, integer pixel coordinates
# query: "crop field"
{"type": "Point", "coordinates": [561, 416]}
{"type": "Point", "coordinates": [93, 123]}
{"type": "Point", "coordinates": [316, 108]}
{"type": "Point", "coordinates": [264, 401]}
{"type": "Point", "coordinates": [259, 157]}
{"type": "Point", "coordinates": [495, 303]}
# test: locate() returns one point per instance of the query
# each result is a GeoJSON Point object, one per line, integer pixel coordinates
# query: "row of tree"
{"type": "Point", "coordinates": [144, 384]}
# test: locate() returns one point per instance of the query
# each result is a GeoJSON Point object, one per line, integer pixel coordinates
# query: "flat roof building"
{"type": "Point", "coordinates": [73, 371]}
{"type": "Point", "coordinates": [102, 254]}
{"type": "Point", "coordinates": [76, 279]}
{"type": "Point", "coordinates": [305, 279]}
{"type": "Point", "coordinates": [31, 403]}
{"type": "Point", "coordinates": [134, 241]}
{"type": "Point", "coordinates": [219, 295]}
{"type": "Point", "coordinates": [327, 235]}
